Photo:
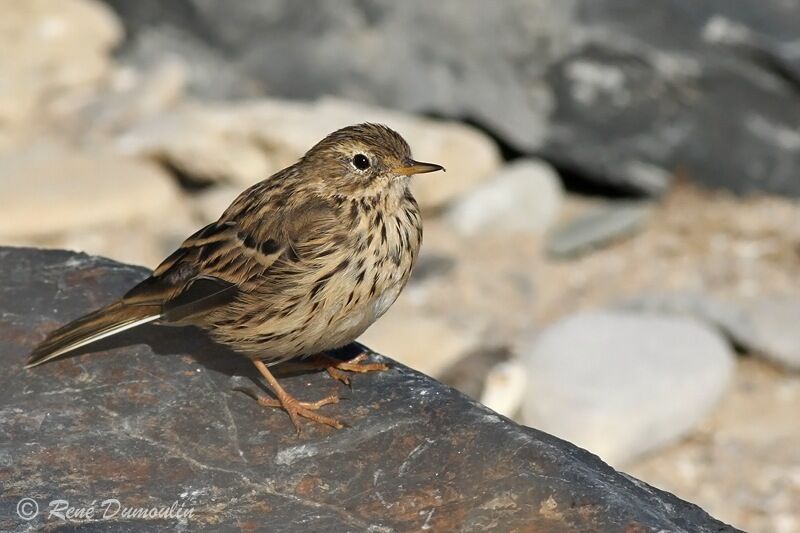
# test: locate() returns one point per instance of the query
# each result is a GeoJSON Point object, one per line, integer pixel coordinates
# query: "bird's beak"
{"type": "Point", "coordinates": [415, 167]}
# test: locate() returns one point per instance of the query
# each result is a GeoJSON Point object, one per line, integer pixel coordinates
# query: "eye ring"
{"type": "Point", "coordinates": [361, 162]}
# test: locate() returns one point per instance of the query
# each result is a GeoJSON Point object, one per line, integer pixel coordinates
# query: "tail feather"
{"type": "Point", "coordinates": [97, 325]}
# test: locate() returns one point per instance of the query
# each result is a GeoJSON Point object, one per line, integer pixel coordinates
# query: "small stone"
{"type": "Point", "coordinates": [246, 142]}
{"type": "Point", "coordinates": [726, 316]}
{"type": "Point", "coordinates": [505, 386]}
{"type": "Point", "coordinates": [47, 191]}
{"type": "Point", "coordinates": [135, 96]}
{"type": "Point", "coordinates": [774, 329]}
{"type": "Point", "coordinates": [52, 48]}
{"type": "Point", "coordinates": [468, 155]}
{"type": "Point", "coordinates": [764, 325]}
{"type": "Point", "coordinates": [205, 144]}
{"type": "Point", "coordinates": [622, 384]}
{"type": "Point", "coordinates": [524, 196]}
{"type": "Point", "coordinates": [407, 331]}
{"type": "Point", "coordinates": [598, 228]}
{"type": "Point", "coordinates": [209, 205]}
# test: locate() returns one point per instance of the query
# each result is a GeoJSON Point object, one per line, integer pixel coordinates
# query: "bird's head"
{"type": "Point", "coordinates": [363, 160]}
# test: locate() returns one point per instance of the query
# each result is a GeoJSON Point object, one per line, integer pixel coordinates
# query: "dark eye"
{"type": "Point", "coordinates": [361, 162]}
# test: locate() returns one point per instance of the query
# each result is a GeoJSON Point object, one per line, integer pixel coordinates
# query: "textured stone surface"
{"type": "Point", "coordinates": [603, 88]}
{"type": "Point", "coordinates": [148, 419]}
{"type": "Point", "coordinates": [245, 142]}
{"type": "Point", "coordinates": [765, 325]}
{"type": "Point", "coordinates": [598, 228]}
{"type": "Point", "coordinates": [52, 49]}
{"type": "Point", "coordinates": [622, 384]}
{"type": "Point", "coordinates": [525, 196]}
{"type": "Point", "coordinates": [48, 190]}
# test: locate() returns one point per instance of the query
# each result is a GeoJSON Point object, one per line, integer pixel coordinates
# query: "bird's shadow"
{"type": "Point", "coordinates": [173, 341]}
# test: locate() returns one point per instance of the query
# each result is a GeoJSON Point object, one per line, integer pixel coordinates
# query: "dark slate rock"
{"type": "Point", "coordinates": [612, 90]}
{"type": "Point", "coordinates": [148, 419]}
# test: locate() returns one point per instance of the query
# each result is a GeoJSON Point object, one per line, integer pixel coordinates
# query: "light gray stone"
{"type": "Point", "coordinates": [52, 49]}
{"type": "Point", "coordinates": [48, 190]}
{"type": "Point", "coordinates": [622, 384]}
{"type": "Point", "coordinates": [504, 388]}
{"type": "Point", "coordinates": [209, 205]}
{"type": "Point", "coordinates": [774, 329]}
{"type": "Point", "coordinates": [598, 228]}
{"type": "Point", "coordinates": [766, 325]}
{"type": "Point", "coordinates": [525, 196]}
{"type": "Point", "coordinates": [242, 143]}
{"type": "Point", "coordinates": [730, 318]}
{"type": "Point", "coordinates": [408, 330]}
{"type": "Point", "coordinates": [133, 96]}
{"type": "Point", "coordinates": [205, 143]}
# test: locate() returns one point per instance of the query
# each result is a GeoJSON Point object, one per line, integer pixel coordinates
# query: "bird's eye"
{"type": "Point", "coordinates": [361, 162]}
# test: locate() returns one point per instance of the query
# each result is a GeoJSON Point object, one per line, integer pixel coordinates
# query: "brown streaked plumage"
{"type": "Point", "coordinates": [299, 264]}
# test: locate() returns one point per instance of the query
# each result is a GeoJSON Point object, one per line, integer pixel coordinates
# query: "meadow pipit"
{"type": "Point", "coordinates": [299, 264]}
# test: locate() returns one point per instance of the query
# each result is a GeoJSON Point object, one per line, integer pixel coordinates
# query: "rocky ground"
{"type": "Point", "coordinates": [667, 327]}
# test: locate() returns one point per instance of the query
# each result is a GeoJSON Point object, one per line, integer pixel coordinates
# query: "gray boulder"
{"type": "Point", "coordinates": [148, 419]}
{"type": "Point", "coordinates": [617, 92]}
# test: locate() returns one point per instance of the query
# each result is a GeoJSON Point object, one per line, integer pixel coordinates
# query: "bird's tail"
{"type": "Point", "coordinates": [109, 320]}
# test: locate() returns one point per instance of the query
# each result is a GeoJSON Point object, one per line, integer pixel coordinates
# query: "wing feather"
{"type": "Point", "coordinates": [218, 262]}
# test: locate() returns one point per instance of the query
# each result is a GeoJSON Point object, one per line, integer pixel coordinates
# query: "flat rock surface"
{"type": "Point", "coordinates": [624, 384]}
{"type": "Point", "coordinates": [148, 419]}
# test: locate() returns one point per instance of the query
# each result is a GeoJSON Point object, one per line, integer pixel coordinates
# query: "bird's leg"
{"type": "Point", "coordinates": [335, 367]}
{"type": "Point", "coordinates": [294, 408]}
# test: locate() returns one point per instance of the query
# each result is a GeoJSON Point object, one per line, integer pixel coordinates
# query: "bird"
{"type": "Point", "coordinates": [300, 264]}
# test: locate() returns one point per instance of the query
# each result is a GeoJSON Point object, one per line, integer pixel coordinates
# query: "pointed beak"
{"type": "Point", "coordinates": [415, 167]}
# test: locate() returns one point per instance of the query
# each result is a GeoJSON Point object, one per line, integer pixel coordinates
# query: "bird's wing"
{"type": "Point", "coordinates": [213, 266]}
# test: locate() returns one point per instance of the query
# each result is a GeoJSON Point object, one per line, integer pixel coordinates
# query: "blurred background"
{"type": "Point", "coordinates": [613, 255]}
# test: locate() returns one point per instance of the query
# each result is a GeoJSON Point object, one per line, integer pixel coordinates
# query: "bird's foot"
{"type": "Point", "coordinates": [296, 409]}
{"type": "Point", "coordinates": [336, 368]}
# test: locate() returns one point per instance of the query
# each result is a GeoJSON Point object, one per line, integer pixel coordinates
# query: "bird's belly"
{"type": "Point", "coordinates": [357, 320]}
{"type": "Point", "coordinates": [343, 324]}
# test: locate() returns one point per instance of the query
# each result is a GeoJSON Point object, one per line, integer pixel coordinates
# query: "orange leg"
{"type": "Point", "coordinates": [335, 367]}
{"type": "Point", "coordinates": [294, 408]}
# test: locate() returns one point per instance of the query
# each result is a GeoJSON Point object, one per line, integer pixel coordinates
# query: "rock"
{"type": "Point", "coordinates": [605, 91]}
{"type": "Point", "coordinates": [765, 325]}
{"type": "Point", "coordinates": [622, 384]}
{"type": "Point", "coordinates": [405, 331]}
{"type": "Point", "coordinates": [469, 156]}
{"type": "Point", "coordinates": [432, 265]}
{"type": "Point", "coordinates": [133, 97]}
{"type": "Point", "coordinates": [598, 228]}
{"type": "Point", "coordinates": [51, 49]}
{"type": "Point", "coordinates": [504, 389]}
{"type": "Point", "coordinates": [210, 204]}
{"type": "Point", "coordinates": [205, 144]}
{"type": "Point", "coordinates": [151, 413]}
{"type": "Point", "coordinates": [774, 329]}
{"type": "Point", "coordinates": [48, 190]}
{"type": "Point", "coordinates": [468, 374]}
{"type": "Point", "coordinates": [725, 316]}
{"type": "Point", "coordinates": [245, 142]}
{"type": "Point", "coordinates": [525, 196]}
